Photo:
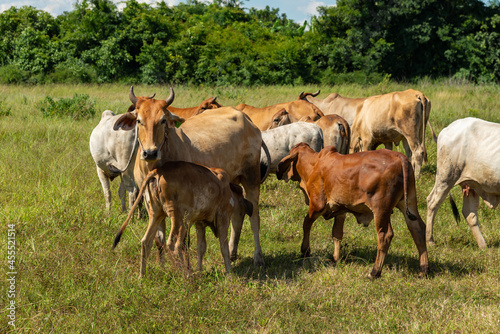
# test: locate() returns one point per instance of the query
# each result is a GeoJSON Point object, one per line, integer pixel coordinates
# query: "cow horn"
{"type": "Point", "coordinates": [170, 98]}
{"type": "Point", "coordinates": [301, 95]}
{"type": "Point", "coordinates": [150, 97]}
{"type": "Point", "coordinates": [315, 94]}
{"type": "Point", "coordinates": [132, 96]}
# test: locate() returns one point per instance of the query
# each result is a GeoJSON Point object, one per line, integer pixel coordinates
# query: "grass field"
{"type": "Point", "coordinates": [69, 280]}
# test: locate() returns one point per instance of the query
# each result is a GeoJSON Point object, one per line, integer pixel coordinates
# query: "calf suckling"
{"type": "Point", "coordinates": [366, 184]}
{"type": "Point", "coordinates": [190, 194]}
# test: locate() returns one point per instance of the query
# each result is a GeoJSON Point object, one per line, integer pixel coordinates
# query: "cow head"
{"type": "Point", "coordinates": [303, 95]}
{"type": "Point", "coordinates": [152, 120]}
{"type": "Point", "coordinates": [210, 103]}
{"type": "Point", "coordinates": [280, 118]}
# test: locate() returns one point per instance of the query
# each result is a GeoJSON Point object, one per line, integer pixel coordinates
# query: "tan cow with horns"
{"type": "Point", "coordinates": [220, 138]}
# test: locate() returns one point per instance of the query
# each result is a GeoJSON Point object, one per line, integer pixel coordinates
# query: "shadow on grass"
{"type": "Point", "coordinates": [289, 265]}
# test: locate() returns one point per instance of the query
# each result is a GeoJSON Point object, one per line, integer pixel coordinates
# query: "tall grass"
{"type": "Point", "coordinates": [69, 280]}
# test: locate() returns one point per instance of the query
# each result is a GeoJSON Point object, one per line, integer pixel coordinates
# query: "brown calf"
{"type": "Point", "coordinates": [367, 184]}
{"type": "Point", "coordinates": [264, 117]}
{"type": "Point", "coordinates": [189, 194]}
{"type": "Point", "coordinates": [186, 113]}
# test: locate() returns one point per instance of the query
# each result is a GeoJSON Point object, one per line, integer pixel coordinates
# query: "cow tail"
{"type": "Point", "coordinates": [148, 178]}
{"type": "Point", "coordinates": [423, 102]}
{"type": "Point", "coordinates": [345, 134]}
{"type": "Point", "coordinates": [433, 133]}
{"type": "Point", "coordinates": [265, 173]}
{"type": "Point", "coordinates": [454, 208]}
{"type": "Point", "coordinates": [406, 180]}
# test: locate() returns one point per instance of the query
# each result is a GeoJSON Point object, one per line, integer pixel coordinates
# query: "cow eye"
{"type": "Point", "coordinates": [139, 122]}
{"type": "Point", "coordinates": [163, 121]}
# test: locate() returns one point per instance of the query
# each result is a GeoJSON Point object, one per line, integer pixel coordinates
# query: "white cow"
{"type": "Point", "coordinates": [280, 141]}
{"type": "Point", "coordinates": [468, 154]}
{"type": "Point", "coordinates": [114, 155]}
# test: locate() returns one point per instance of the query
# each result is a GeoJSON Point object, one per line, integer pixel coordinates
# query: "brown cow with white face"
{"type": "Point", "coordinates": [186, 113]}
{"type": "Point", "coordinates": [264, 117]}
{"type": "Point", "coordinates": [220, 138]}
{"type": "Point", "coordinates": [367, 184]}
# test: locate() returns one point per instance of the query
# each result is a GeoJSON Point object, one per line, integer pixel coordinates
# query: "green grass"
{"type": "Point", "coordinates": [69, 280]}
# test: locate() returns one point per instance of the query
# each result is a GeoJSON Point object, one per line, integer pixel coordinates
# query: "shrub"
{"type": "Point", "coordinates": [78, 107]}
{"type": "Point", "coordinates": [4, 110]}
{"type": "Point", "coordinates": [11, 74]}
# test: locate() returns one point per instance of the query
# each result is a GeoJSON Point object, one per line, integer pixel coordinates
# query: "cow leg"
{"type": "Point", "coordinates": [121, 194]}
{"type": "Point", "coordinates": [469, 210]}
{"type": "Point", "coordinates": [415, 153]}
{"type": "Point", "coordinates": [388, 146]}
{"type": "Point", "coordinates": [337, 235]}
{"type": "Point", "coordinates": [417, 230]}
{"type": "Point", "coordinates": [384, 237]}
{"type": "Point", "coordinates": [305, 248]}
{"type": "Point", "coordinates": [237, 224]}
{"type": "Point", "coordinates": [223, 227]}
{"type": "Point", "coordinates": [252, 192]}
{"type": "Point", "coordinates": [201, 244]}
{"type": "Point", "coordinates": [147, 241]}
{"type": "Point", "coordinates": [105, 187]}
{"type": "Point", "coordinates": [160, 241]}
{"type": "Point", "coordinates": [438, 194]}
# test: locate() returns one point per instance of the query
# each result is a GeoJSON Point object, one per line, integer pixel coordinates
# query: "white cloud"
{"type": "Point", "coordinates": [311, 7]}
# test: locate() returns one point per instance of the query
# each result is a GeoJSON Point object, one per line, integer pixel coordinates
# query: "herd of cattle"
{"type": "Point", "coordinates": [188, 164]}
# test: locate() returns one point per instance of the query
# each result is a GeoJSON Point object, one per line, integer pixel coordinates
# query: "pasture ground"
{"type": "Point", "coordinates": [69, 280]}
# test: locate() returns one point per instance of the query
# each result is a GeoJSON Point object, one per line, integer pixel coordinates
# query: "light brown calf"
{"type": "Point", "coordinates": [190, 112]}
{"type": "Point", "coordinates": [367, 184]}
{"type": "Point", "coordinates": [336, 131]}
{"type": "Point", "coordinates": [189, 194]}
{"type": "Point", "coordinates": [263, 117]}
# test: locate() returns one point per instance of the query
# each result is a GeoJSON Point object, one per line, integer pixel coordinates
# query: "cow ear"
{"type": "Point", "coordinates": [285, 169]}
{"type": "Point", "coordinates": [174, 121]}
{"type": "Point", "coordinates": [126, 122]}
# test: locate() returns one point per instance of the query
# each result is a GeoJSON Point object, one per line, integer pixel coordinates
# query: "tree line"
{"type": "Point", "coordinates": [225, 43]}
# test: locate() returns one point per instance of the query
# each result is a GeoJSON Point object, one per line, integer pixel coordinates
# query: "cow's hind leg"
{"type": "Point", "coordinates": [305, 248]}
{"type": "Point", "coordinates": [223, 227]}
{"type": "Point", "coordinates": [337, 235]}
{"type": "Point", "coordinates": [252, 192]}
{"type": "Point", "coordinates": [384, 237]}
{"type": "Point", "coordinates": [160, 241]}
{"type": "Point", "coordinates": [469, 210]}
{"type": "Point", "coordinates": [417, 230]}
{"type": "Point", "coordinates": [201, 244]}
{"type": "Point", "coordinates": [236, 225]}
{"type": "Point", "coordinates": [438, 194]}
{"type": "Point", "coordinates": [155, 218]}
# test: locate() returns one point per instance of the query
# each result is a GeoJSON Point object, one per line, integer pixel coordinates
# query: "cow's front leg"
{"type": "Point", "coordinates": [337, 235]}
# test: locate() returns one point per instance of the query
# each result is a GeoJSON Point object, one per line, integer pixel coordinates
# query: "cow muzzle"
{"type": "Point", "coordinates": [150, 155]}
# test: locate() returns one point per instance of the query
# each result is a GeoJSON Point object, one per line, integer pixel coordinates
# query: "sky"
{"type": "Point", "coordinates": [297, 10]}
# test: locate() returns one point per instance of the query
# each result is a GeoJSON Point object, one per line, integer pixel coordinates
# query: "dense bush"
{"type": "Point", "coordinates": [223, 43]}
{"type": "Point", "coordinates": [78, 107]}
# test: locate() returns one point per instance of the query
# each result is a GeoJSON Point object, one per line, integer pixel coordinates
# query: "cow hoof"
{"type": "Point", "coordinates": [431, 243]}
{"type": "Point", "coordinates": [258, 260]}
{"type": "Point", "coordinates": [233, 257]}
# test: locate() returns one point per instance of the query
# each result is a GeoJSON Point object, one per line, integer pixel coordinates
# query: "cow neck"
{"type": "Point", "coordinates": [174, 148]}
